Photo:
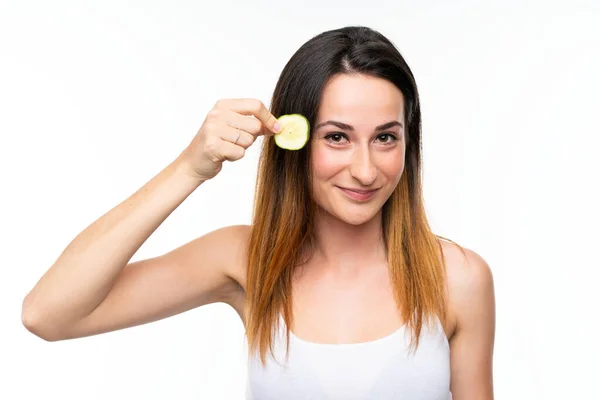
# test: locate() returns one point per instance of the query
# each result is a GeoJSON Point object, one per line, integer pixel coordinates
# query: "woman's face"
{"type": "Point", "coordinates": [357, 143]}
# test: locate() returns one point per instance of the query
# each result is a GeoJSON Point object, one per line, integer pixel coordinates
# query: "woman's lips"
{"type": "Point", "coordinates": [356, 194]}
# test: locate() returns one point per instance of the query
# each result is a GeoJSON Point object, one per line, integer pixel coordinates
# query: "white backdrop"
{"type": "Point", "coordinates": [97, 97]}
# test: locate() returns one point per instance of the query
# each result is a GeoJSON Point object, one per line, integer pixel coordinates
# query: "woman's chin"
{"type": "Point", "coordinates": [355, 217]}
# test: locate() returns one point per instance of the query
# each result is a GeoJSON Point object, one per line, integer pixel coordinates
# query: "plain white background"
{"type": "Point", "coordinates": [97, 97]}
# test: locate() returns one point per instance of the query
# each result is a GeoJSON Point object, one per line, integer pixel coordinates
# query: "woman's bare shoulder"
{"type": "Point", "coordinates": [232, 241]}
{"type": "Point", "coordinates": [466, 269]}
{"type": "Point", "coordinates": [472, 307]}
{"type": "Point", "coordinates": [469, 280]}
{"type": "Point", "coordinates": [235, 243]}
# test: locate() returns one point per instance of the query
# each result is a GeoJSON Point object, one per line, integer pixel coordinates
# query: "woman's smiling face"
{"type": "Point", "coordinates": [357, 143]}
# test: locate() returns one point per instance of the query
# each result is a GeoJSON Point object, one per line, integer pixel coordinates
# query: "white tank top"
{"type": "Point", "coordinates": [380, 369]}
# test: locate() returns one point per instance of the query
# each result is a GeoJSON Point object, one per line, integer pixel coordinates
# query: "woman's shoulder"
{"type": "Point", "coordinates": [467, 270]}
{"type": "Point", "coordinates": [234, 243]}
{"type": "Point", "coordinates": [470, 282]}
{"type": "Point", "coordinates": [463, 260]}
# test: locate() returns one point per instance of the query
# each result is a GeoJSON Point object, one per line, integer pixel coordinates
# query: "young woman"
{"type": "Point", "coordinates": [344, 291]}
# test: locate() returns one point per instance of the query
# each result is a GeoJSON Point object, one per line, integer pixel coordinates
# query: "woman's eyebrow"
{"type": "Point", "coordinates": [347, 127]}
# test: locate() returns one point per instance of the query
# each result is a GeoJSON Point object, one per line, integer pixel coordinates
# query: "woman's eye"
{"type": "Point", "coordinates": [388, 135]}
{"type": "Point", "coordinates": [335, 137]}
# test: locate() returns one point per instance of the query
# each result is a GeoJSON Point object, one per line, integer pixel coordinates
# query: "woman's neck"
{"type": "Point", "coordinates": [345, 247]}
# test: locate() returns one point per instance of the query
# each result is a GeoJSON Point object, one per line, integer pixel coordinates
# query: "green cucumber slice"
{"type": "Point", "coordinates": [295, 132]}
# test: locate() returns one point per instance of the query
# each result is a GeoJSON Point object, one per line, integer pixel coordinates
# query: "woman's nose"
{"type": "Point", "coordinates": [363, 168]}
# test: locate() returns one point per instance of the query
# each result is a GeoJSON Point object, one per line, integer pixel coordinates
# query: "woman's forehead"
{"type": "Point", "coordinates": [360, 100]}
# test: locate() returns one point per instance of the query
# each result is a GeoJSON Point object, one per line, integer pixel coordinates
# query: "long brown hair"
{"type": "Point", "coordinates": [284, 210]}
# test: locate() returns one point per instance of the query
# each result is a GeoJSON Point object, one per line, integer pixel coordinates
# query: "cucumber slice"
{"type": "Point", "coordinates": [295, 132]}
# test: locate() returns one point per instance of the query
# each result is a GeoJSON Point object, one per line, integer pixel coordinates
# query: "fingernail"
{"type": "Point", "coordinates": [277, 127]}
